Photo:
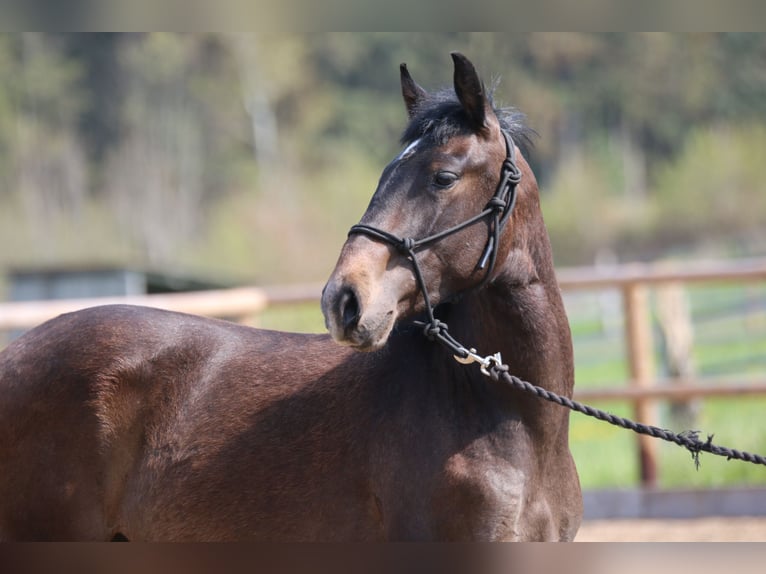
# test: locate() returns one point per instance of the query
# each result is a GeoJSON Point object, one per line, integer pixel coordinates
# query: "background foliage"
{"type": "Point", "coordinates": [247, 157]}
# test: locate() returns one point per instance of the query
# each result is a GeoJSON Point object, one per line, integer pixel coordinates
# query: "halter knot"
{"type": "Point", "coordinates": [496, 204]}
{"type": "Point", "coordinates": [434, 328]}
{"type": "Point", "coordinates": [406, 245]}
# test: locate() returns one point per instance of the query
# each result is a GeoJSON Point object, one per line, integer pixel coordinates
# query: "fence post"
{"type": "Point", "coordinates": [675, 322]}
{"type": "Point", "coordinates": [638, 339]}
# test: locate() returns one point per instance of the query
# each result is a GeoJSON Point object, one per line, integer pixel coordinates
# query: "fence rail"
{"type": "Point", "coordinates": [627, 275]}
{"type": "Point", "coordinates": [239, 303]}
{"type": "Point", "coordinates": [633, 281]}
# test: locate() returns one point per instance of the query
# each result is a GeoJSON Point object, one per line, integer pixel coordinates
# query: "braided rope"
{"type": "Point", "coordinates": [687, 439]}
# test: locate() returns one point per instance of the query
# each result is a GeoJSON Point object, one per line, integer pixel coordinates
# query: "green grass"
{"type": "Point", "coordinates": [735, 423]}
{"type": "Point", "coordinates": [606, 455]}
{"type": "Point", "coordinates": [302, 318]}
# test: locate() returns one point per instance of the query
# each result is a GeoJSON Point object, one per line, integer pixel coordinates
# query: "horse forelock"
{"type": "Point", "coordinates": [441, 117]}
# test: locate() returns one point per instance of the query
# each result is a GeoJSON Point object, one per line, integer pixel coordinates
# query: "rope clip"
{"type": "Point", "coordinates": [484, 362]}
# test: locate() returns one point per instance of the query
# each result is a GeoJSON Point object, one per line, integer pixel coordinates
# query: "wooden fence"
{"type": "Point", "coordinates": [632, 281]}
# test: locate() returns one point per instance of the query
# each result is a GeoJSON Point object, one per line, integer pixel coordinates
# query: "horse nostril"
{"type": "Point", "coordinates": [349, 309]}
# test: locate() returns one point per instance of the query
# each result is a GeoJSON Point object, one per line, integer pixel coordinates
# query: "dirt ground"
{"type": "Point", "coordinates": [697, 530]}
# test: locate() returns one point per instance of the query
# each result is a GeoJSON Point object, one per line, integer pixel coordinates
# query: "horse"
{"type": "Point", "coordinates": [124, 422]}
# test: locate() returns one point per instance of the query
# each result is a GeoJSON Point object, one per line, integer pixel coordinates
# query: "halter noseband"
{"type": "Point", "coordinates": [498, 209]}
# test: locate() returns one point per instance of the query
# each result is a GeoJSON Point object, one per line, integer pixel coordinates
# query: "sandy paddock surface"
{"type": "Point", "coordinates": [698, 530]}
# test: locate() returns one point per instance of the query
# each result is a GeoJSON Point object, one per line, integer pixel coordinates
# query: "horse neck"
{"type": "Point", "coordinates": [520, 313]}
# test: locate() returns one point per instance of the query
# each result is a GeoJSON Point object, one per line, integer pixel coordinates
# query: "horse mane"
{"type": "Point", "coordinates": [440, 116]}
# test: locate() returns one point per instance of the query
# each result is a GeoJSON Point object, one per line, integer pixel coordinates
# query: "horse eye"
{"type": "Point", "coordinates": [445, 179]}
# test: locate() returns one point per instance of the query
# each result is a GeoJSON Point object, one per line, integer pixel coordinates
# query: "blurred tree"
{"type": "Point", "coordinates": [170, 128]}
{"type": "Point", "coordinates": [49, 169]}
{"type": "Point", "coordinates": [98, 55]}
{"type": "Point", "coordinates": [155, 174]}
{"type": "Point", "coordinates": [739, 86]}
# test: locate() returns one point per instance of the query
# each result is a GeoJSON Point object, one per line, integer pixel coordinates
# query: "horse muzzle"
{"type": "Point", "coordinates": [354, 318]}
{"type": "Point", "coordinates": [360, 301]}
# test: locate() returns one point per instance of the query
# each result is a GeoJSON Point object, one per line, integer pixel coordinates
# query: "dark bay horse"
{"type": "Point", "coordinates": [137, 423]}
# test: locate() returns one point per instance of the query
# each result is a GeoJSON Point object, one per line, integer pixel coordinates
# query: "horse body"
{"type": "Point", "coordinates": [163, 426]}
{"type": "Point", "coordinates": [110, 434]}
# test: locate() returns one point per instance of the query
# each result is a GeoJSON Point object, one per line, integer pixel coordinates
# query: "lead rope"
{"type": "Point", "coordinates": [499, 209]}
{"type": "Point", "coordinates": [493, 367]}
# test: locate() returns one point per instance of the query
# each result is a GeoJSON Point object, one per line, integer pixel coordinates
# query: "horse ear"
{"type": "Point", "coordinates": [470, 90]}
{"type": "Point", "coordinates": [411, 92]}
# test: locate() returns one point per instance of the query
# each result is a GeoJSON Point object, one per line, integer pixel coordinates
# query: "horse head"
{"type": "Point", "coordinates": [436, 217]}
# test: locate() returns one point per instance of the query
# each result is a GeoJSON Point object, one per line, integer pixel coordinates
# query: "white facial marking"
{"type": "Point", "coordinates": [408, 150]}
